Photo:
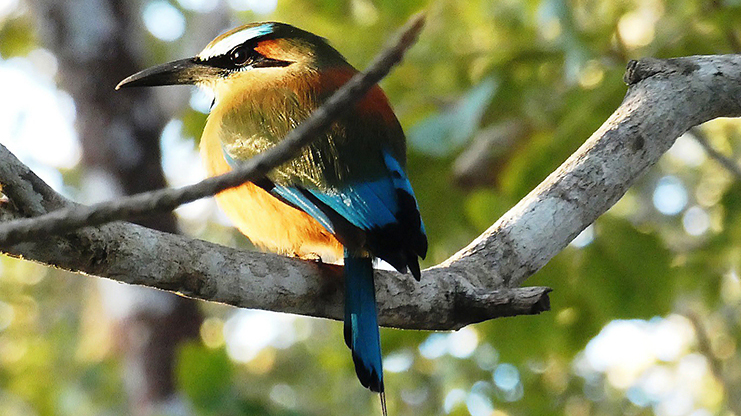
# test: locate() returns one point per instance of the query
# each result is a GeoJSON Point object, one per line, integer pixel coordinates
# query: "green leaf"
{"type": "Point", "coordinates": [444, 132]}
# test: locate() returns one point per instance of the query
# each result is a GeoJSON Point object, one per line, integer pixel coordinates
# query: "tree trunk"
{"type": "Point", "coordinates": [98, 43]}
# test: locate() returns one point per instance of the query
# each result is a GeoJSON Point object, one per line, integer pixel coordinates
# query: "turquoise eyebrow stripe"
{"type": "Point", "coordinates": [235, 39]}
{"type": "Point", "coordinates": [257, 31]}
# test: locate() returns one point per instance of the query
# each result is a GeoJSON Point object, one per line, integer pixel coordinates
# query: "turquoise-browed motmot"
{"type": "Point", "coordinates": [346, 195]}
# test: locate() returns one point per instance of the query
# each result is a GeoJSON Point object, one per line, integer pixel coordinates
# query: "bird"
{"type": "Point", "coordinates": [345, 196]}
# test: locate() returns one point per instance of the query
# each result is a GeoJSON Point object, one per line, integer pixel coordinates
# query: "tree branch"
{"type": "Point", "coordinates": [664, 99]}
{"type": "Point", "coordinates": [137, 255]}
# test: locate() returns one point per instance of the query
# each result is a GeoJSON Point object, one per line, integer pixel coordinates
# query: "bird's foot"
{"type": "Point", "coordinates": [315, 257]}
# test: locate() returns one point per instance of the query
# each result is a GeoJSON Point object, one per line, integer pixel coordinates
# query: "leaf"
{"type": "Point", "coordinates": [445, 132]}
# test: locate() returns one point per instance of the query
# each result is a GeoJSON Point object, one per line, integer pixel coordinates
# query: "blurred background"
{"type": "Point", "coordinates": [646, 312]}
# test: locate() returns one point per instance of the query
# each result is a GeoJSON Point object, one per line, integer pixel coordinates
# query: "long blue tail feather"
{"type": "Point", "coordinates": [361, 321]}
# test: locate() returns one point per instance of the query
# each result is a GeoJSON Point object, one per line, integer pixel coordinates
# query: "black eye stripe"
{"type": "Point", "coordinates": [241, 56]}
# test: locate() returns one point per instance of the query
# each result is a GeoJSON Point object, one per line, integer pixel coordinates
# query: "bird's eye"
{"type": "Point", "coordinates": [240, 55]}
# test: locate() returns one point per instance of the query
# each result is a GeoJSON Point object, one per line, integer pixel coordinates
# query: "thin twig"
{"type": "Point", "coordinates": [725, 161]}
{"type": "Point", "coordinates": [66, 220]}
{"type": "Point", "coordinates": [716, 366]}
{"type": "Point", "coordinates": [703, 344]}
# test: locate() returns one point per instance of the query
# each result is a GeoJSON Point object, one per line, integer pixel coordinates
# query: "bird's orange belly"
{"type": "Point", "coordinates": [265, 220]}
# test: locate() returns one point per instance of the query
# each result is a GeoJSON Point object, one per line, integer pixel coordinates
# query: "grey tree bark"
{"type": "Point", "coordinates": [665, 98]}
{"type": "Point", "coordinates": [133, 254]}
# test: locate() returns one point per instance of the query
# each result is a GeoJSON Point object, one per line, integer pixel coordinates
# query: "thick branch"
{"type": "Point", "coordinates": [665, 98]}
{"type": "Point", "coordinates": [133, 254]}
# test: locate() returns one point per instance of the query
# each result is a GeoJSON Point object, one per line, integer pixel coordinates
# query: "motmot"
{"type": "Point", "coordinates": [346, 195]}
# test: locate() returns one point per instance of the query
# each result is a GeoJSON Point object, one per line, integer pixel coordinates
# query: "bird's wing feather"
{"type": "Point", "coordinates": [371, 206]}
{"type": "Point", "coordinates": [298, 198]}
{"type": "Point", "coordinates": [385, 209]}
{"type": "Point", "coordinates": [366, 205]}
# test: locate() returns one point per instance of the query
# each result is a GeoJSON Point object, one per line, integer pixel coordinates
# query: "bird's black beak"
{"type": "Point", "coordinates": [184, 71]}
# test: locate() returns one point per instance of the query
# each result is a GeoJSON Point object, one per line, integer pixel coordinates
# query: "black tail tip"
{"type": "Point", "coordinates": [368, 377]}
{"type": "Point", "coordinates": [414, 269]}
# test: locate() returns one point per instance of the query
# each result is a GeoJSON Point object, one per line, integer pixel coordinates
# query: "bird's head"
{"type": "Point", "coordinates": [254, 53]}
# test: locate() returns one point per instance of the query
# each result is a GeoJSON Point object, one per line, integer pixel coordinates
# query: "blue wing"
{"type": "Point", "coordinates": [298, 198]}
{"type": "Point", "coordinates": [366, 205]}
{"type": "Point", "coordinates": [384, 209]}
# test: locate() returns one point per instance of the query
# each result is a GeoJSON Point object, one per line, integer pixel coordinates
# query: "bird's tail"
{"type": "Point", "coordinates": [361, 322]}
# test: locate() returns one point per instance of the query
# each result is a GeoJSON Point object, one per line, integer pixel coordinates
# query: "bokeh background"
{"type": "Point", "coordinates": [646, 308]}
